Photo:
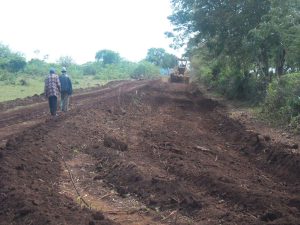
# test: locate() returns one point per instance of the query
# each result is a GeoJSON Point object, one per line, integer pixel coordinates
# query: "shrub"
{"type": "Point", "coordinates": [89, 69]}
{"type": "Point", "coordinates": [282, 102]}
{"type": "Point", "coordinates": [145, 70]}
{"type": "Point", "coordinates": [7, 77]}
{"type": "Point", "coordinates": [36, 67]}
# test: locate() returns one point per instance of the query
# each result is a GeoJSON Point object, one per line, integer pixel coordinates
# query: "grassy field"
{"type": "Point", "coordinates": [36, 86]}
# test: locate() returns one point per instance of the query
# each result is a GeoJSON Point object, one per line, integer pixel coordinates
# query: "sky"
{"type": "Point", "coordinates": [80, 28]}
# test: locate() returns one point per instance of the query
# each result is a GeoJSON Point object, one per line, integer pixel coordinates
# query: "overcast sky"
{"type": "Point", "coordinates": [79, 28]}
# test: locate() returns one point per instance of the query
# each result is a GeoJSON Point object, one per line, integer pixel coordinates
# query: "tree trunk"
{"type": "Point", "coordinates": [280, 62]}
{"type": "Point", "coordinates": [265, 66]}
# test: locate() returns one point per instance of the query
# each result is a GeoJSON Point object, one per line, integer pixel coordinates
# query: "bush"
{"type": "Point", "coordinates": [282, 102]}
{"type": "Point", "coordinates": [89, 69]}
{"type": "Point", "coordinates": [145, 70]}
{"type": "Point", "coordinates": [36, 67]}
{"type": "Point", "coordinates": [233, 84]}
{"type": "Point", "coordinates": [243, 87]}
{"type": "Point", "coordinates": [7, 77]}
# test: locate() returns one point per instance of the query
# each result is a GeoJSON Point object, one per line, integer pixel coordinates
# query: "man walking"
{"type": "Point", "coordinates": [52, 90]}
{"type": "Point", "coordinates": [66, 90]}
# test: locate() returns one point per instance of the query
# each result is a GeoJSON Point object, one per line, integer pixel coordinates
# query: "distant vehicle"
{"type": "Point", "coordinates": [180, 74]}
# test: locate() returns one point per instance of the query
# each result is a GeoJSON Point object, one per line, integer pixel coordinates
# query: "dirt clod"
{"type": "Point", "coordinates": [114, 143]}
{"type": "Point", "coordinates": [267, 137]}
{"type": "Point", "coordinates": [98, 216]}
{"type": "Point", "coordinates": [295, 146]}
{"type": "Point", "coordinates": [271, 216]}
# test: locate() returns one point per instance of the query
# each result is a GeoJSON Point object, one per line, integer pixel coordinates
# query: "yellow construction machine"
{"type": "Point", "coordinates": [180, 74]}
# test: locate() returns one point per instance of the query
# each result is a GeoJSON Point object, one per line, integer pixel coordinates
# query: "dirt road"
{"type": "Point", "coordinates": [144, 152]}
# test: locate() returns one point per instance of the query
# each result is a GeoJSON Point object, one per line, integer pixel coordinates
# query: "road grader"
{"type": "Point", "coordinates": [180, 74]}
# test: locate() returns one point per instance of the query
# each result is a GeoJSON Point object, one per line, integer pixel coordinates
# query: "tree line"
{"type": "Point", "coordinates": [258, 36]}
{"type": "Point", "coordinates": [108, 65]}
{"type": "Point", "coordinates": [245, 49]}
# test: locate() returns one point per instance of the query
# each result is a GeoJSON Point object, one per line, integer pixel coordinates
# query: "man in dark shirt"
{"type": "Point", "coordinates": [66, 89]}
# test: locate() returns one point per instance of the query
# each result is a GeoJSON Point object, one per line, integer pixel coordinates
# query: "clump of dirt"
{"type": "Point", "coordinates": [113, 142]}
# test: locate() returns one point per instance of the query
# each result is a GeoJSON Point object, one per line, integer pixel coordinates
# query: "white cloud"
{"type": "Point", "coordinates": [80, 28]}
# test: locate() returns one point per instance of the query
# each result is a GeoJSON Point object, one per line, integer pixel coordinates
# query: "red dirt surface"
{"type": "Point", "coordinates": [144, 152]}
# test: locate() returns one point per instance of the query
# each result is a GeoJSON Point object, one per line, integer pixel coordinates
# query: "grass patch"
{"type": "Point", "coordinates": [14, 91]}
{"type": "Point", "coordinates": [33, 86]}
{"type": "Point", "coordinates": [86, 82]}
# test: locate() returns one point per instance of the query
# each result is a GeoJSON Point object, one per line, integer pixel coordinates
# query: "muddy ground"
{"type": "Point", "coordinates": [143, 152]}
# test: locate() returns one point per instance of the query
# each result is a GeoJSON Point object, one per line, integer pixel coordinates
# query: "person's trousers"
{"type": "Point", "coordinates": [53, 105]}
{"type": "Point", "coordinates": [64, 103]}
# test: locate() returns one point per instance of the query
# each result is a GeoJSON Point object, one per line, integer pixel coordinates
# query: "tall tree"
{"type": "Point", "coordinates": [159, 57]}
{"type": "Point", "coordinates": [276, 40]}
{"type": "Point", "coordinates": [107, 57]}
{"type": "Point", "coordinates": [242, 34]}
{"type": "Point", "coordinates": [169, 61]}
{"type": "Point", "coordinates": [221, 24]}
{"type": "Point", "coordinates": [155, 56]}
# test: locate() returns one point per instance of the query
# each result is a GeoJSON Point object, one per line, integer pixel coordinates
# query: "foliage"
{"type": "Point", "coordinates": [89, 68]}
{"type": "Point", "coordinates": [7, 77]}
{"type": "Point", "coordinates": [121, 70]}
{"type": "Point", "coordinates": [65, 61]}
{"type": "Point", "coordinates": [282, 102]}
{"type": "Point", "coordinates": [234, 45]}
{"type": "Point", "coordinates": [107, 57]}
{"type": "Point", "coordinates": [111, 72]}
{"type": "Point", "coordinates": [160, 58]}
{"type": "Point", "coordinates": [10, 61]}
{"type": "Point", "coordinates": [36, 67]}
{"type": "Point", "coordinates": [276, 40]}
{"type": "Point", "coordinates": [19, 79]}
{"type": "Point", "coordinates": [169, 61]}
{"type": "Point", "coordinates": [155, 56]}
{"type": "Point", "coordinates": [145, 69]}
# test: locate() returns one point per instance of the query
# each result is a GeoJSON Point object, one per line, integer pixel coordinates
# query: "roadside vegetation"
{"type": "Point", "coordinates": [20, 78]}
{"type": "Point", "coordinates": [245, 50]}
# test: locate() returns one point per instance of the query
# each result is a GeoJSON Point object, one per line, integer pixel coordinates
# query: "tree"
{"type": "Point", "coordinates": [37, 67]}
{"type": "Point", "coordinates": [239, 36]}
{"type": "Point", "coordinates": [16, 64]}
{"type": "Point", "coordinates": [107, 57]}
{"type": "Point", "coordinates": [10, 61]}
{"type": "Point", "coordinates": [276, 40]}
{"type": "Point", "coordinates": [260, 32]}
{"type": "Point", "coordinates": [169, 61]}
{"type": "Point", "coordinates": [4, 51]}
{"type": "Point", "coordinates": [159, 57]}
{"type": "Point", "coordinates": [65, 61]}
{"type": "Point", "coordinates": [155, 56]}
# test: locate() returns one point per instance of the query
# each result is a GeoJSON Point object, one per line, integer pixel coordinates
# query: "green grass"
{"type": "Point", "coordinates": [13, 91]}
{"type": "Point", "coordinates": [36, 86]}
{"type": "Point", "coordinates": [86, 82]}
